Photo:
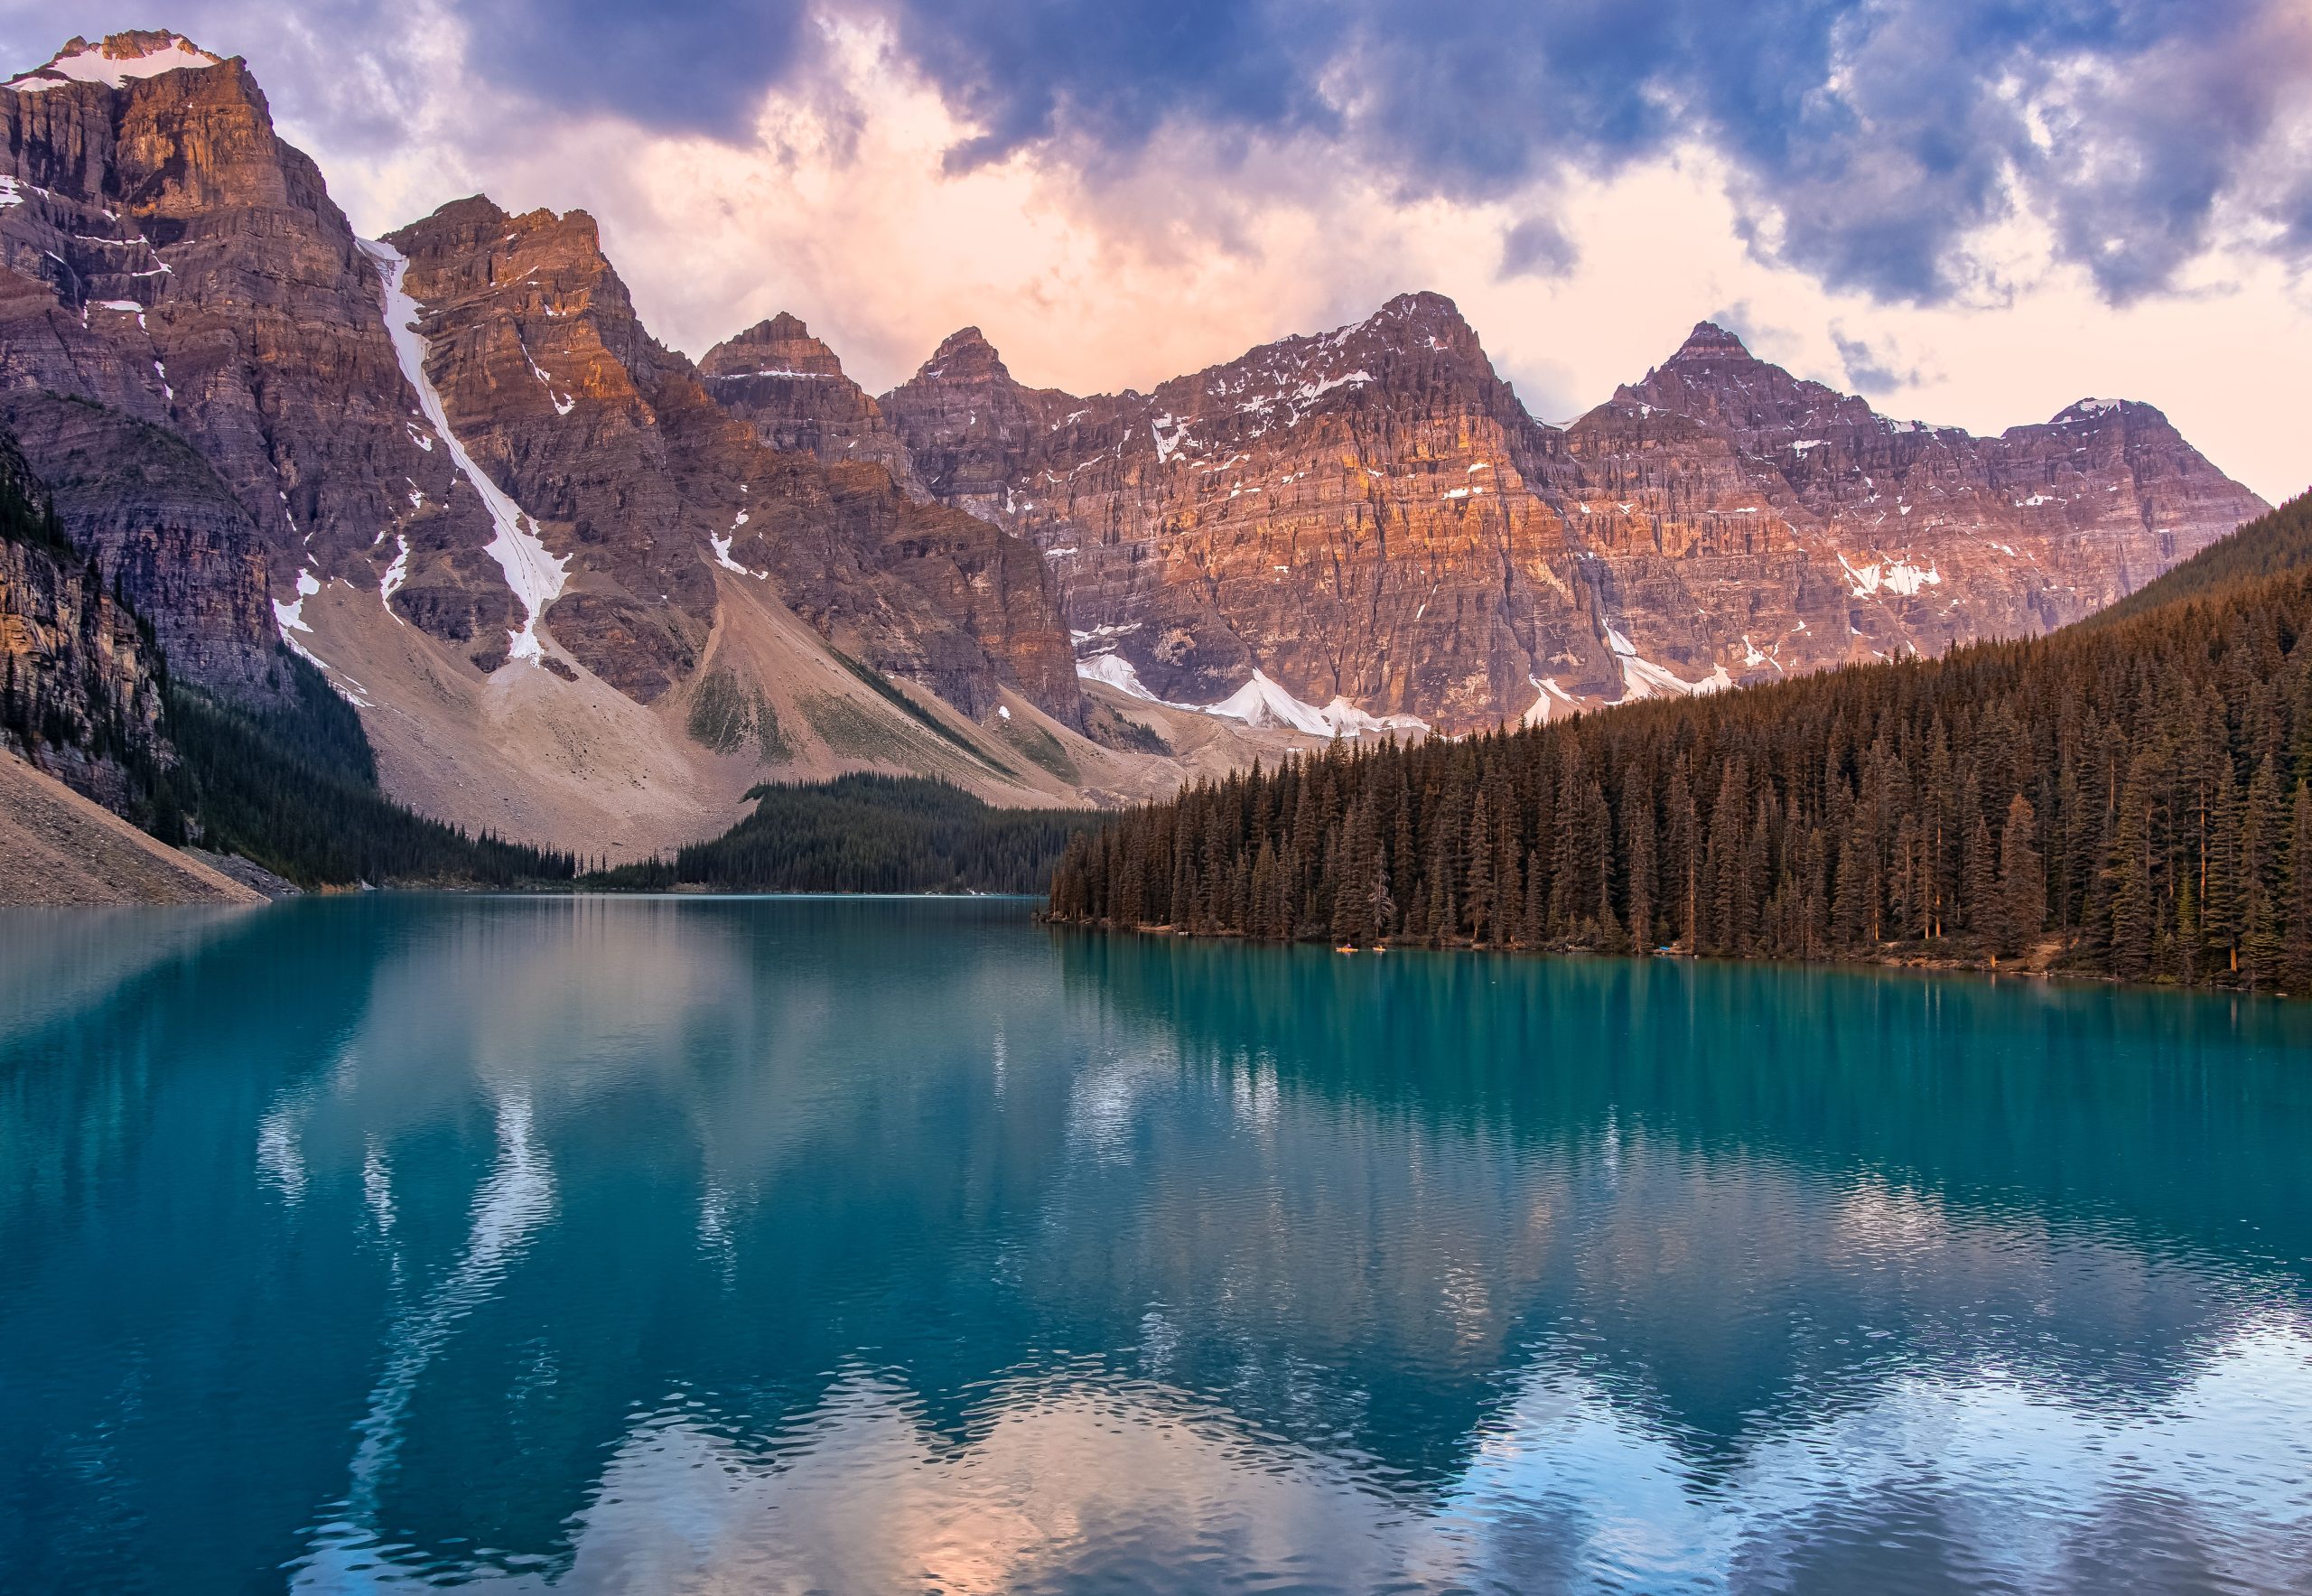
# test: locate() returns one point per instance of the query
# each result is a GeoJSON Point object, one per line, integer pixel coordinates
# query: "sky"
{"type": "Point", "coordinates": [1970, 212]}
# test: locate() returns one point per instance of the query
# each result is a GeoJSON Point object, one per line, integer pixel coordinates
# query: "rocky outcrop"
{"type": "Point", "coordinates": [791, 388]}
{"type": "Point", "coordinates": [632, 474]}
{"type": "Point", "coordinates": [1369, 521]}
{"type": "Point", "coordinates": [970, 426]}
{"type": "Point", "coordinates": [467, 430]}
{"type": "Point", "coordinates": [165, 531]}
{"type": "Point", "coordinates": [1346, 515]}
{"type": "Point", "coordinates": [555, 390]}
{"type": "Point", "coordinates": [79, 677]}
{"type": "Point", "coordinates": [468, 420]}
{"type": "Point", "coordinates": [1797, 527]}
{"type": "Point", "coordinates": [164, 253]}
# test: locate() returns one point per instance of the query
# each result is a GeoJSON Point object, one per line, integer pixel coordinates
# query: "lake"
{"type": "Point", "coordinates": [855, 1246]}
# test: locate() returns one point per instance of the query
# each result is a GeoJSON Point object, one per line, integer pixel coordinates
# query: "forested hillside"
{"type": "Point", "coordinates": [2130, 798]}
{"type": "Point", "coordinates": [2266, 546]}
{"type": "Point", "coordinates": [868, 833]}
{"type": "Point", "coordinates": [295, 790]}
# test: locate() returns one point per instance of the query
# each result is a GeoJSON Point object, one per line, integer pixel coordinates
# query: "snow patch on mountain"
{"type": "Point", "coordinates": [1641, 678]}
{"type": "Point", "coordinates": [1260, 702]}
{"type": "Point", "coordinates": [1117, 671]}
{"type": "Point", "coordinates": [534, 574]}
{"type": "Point", "coordinates": [114, 61]}
{"type": "Point", "coordinates": [291, 617]}
{"type": "Point", "coordinates": [1551, 703]}
{"type": "Point", "coordinates": [396, 574]}
{"type": "Point", "coordinates": [1899, 576]}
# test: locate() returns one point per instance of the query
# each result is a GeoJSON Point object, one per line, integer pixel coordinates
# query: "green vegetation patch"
{"type": "Point", "coordinates": [721, 713]}
{"type": "Point", "coordinates": [1040, 746]}
{"type": "Point", "coordinates": [1110, 729]}
{"type": "Point", "coordinates": [770, 740]}
{"type": "Point", "coordinates": [851, 732]}
{"type": "Point", "coordinates": [889, 690]}
{"type": "Point", "coordinates": [868, 833]}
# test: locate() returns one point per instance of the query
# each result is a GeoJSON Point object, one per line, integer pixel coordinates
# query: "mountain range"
{"type": "Point", "coordinates": [586, 593]}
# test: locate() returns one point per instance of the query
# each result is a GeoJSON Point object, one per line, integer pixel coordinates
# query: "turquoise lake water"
{"type": "Point", "coordinates": [763, 1245]}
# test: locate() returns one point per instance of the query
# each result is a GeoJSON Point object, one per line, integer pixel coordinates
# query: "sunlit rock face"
{"type": "Point", "coordinates": [468, 420]}
{"type": "Point", "coordinates": [791, 388]}
{"type": "Point", "coordinates": [1347, 514]}
{"type": "Point", "coordinates": [633, 474]}
{"type": "Point", "coordinates": [1370, 514]}
{"type": "Point", "coordinates": [164, 254]}
{"type": "Point", "coordinates": [1362, 529]}
{"type": "Point", "coordinates": [1883, 538]}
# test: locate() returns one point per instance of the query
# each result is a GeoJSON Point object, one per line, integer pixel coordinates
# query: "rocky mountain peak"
{"type": "Point", "coordinates": [780, 347]}
{"type": "Point", "coordinates": [791, 389]}
{"type": "Point", "coordinates": [475, 217]}
{"type": "Point", "coordinates": [113, 61]}
{"type": "Point", "coordinates": [1710, 341]}
{"type": "Point", "coordinates": [964, 356]}
{"type": "Point", "coordinates": [2100, 410]}
{"type": "Point", "coordinates": [1425, 306]}
{"type": "Point", "coordinates": [1714, 378]}
{"type": "Point", "coordinates": [1420, 320]}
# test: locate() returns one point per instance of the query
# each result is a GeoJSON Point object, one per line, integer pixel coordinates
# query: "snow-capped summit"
{"type": "Point", "coordinates": [145, 52]}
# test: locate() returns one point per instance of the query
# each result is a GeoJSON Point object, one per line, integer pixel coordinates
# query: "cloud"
{"type": "Point", "coordinates": [1871, 144]}
{"type": "Point", "coordinates": [1873, 368]}
{"type": "Point", "coordinates": [1537, 248]}
{"type": "Point", "coordinates": [1587, 180]}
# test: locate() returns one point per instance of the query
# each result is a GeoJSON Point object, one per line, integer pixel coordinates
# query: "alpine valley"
{"type": "Point", "coordinates": [586, 595]}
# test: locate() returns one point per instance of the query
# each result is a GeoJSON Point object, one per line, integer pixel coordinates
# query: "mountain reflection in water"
{"type": "Point", "coordinates": [790, 1245]}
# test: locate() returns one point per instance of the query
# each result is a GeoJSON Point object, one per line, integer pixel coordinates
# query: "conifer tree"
{"type": "Point", "coordinates": [2022, 879]}
{"type": "Point", "coordinates": [2134, 911]}
{"type": "Point", "coordinates": [1685, 865]}
{"type": "Point", "coordinates": [2134, 797]}
{"type": "Point", "coordinates": [1478, 893]}
{"type": "Point", "coordinates": [2295, 950]}
{"type": "Point", "coordinates": [2256, 855]}
{"type": "Point", "coordinates": [1637, 849]}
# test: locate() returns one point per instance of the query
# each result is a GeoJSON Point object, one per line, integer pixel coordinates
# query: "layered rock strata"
{"type": "Point", "coordinates": [792, 390]}
{"type": "Point", "coordinates": [516, 467]}
{"type": "Point", "coordinates": [630, 472]}
{"type": "Point", "coordinates": [80, 677]}
{"type": "Point", "coordinates": [1369, 521]}
{"type": "Point", "coordinates": [165, 255]}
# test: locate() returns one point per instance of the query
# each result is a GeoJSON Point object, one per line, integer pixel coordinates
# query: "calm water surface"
{"type": "Point", "coordinates": [809, 1246]}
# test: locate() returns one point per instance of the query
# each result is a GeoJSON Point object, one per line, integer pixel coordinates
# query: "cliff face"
{"type": "Point", "coordinates": [1369, 521]}
{"type": "Point", "coordinates": [1344, 513]}
{"type": "Point", "coordinates": [521, 514]}
{"type": "Point", "coordinates": [80, 681]}
{"type": "Point", "coordinates": [468, 420]}
{"type": "Point", "coordinates": [639, 482]}
{"type": "Point", "coordinates": [1874, 537]}
{"type": "Point", "coordinates": [791, 388]}
{"type": "Point", "coordinates": [165, 255]}
{"type": "Point", "coordinates": [164, 530]}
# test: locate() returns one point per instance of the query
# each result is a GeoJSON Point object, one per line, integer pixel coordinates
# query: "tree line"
{"type": "Point", "coordinates": [866, 833]}
{"type": "Point", "coordinates": [294, 789]}
{"type": "Point", "coordinates": [2133, 798]}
